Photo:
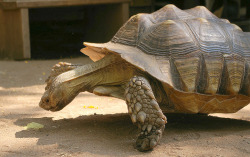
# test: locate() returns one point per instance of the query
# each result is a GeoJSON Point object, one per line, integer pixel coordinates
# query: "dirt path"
{"type": "Point", "coordinates": [106, 129]}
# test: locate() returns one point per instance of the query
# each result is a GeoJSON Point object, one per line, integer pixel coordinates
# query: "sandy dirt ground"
{"type": "Point", "coordinates": [106, 129]}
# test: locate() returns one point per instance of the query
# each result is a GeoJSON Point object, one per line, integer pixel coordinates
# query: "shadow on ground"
{"type": "Point", "coordinates": [116, 134]}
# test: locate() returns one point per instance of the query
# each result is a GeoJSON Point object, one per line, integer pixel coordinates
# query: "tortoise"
{"type": "Point", "coordinates": [169, 61]}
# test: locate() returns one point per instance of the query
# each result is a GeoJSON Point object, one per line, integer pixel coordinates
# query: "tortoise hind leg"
{"type": "Point", "coordinates": [145, 112]}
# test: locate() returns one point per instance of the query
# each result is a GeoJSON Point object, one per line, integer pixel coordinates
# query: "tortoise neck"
{"type": "Point", "coordinates": [111, 70]}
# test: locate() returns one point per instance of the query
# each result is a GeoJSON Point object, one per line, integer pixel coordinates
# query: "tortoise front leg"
{"type": "Point", "coordinates": [145, 112]}
{"type": "Point", "coordinates": [58, 69]}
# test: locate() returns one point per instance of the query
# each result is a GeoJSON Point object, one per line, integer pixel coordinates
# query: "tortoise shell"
{"type": "Point", "coordinates": [201, 60]}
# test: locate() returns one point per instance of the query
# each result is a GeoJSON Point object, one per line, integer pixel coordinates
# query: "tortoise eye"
{"type": "Point", "coordinates": [46, 100]}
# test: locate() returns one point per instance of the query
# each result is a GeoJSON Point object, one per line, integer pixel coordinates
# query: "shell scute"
{"type": "Point", "coordinates": [188, 70]}
{"type": "Point", "coordinates": [202, 12]}
{"type": "Point", "coordinates": [214, 66]}
{"type": "Point", "coordinates": [236, 70]}
{"type": "Point", "coordinates": [209, 36]}
{"type": "Point", "coordinates": [170, 12]}
{"type": "Point", "coordinates": [128, 33]}
{"type": "Point", "coordinates": [167, 38]}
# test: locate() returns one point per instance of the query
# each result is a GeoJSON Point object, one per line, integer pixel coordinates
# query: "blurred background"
{"type": "Point", "coordinates": [57, 31]}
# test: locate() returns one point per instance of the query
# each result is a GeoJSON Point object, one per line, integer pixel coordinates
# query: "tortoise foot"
{"type": "Point", "coordinates": [145, 113]}
{"type": "Point", "coordinates": [147, 141]}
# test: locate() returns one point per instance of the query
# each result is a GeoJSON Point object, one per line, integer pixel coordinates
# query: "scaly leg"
{"type": "Point", "coordinates": [145, 112]}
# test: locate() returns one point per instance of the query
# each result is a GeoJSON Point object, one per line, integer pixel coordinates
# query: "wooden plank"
{"type": "Point", "coordinates": [14, 34]}
{"type": "Point", "coordinates": [10, 4]}
{"type": "Point", "coordinates": [25, 33]}
{"type": "Point", "coordinates": [2, 34]}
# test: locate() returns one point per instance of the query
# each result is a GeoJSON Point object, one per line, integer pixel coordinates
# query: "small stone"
{"type": "Point", "coordinates": [141, 116]}
{"type": "Point", "coordinates": [144, 127]}
{"type": "Point", "coordinates": [138, 107]}
{"type": "Point", "coordinates": [133, 118]}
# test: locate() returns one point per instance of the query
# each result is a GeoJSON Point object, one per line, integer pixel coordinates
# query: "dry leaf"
{"type": "Point", "coordinates": [33, 125]}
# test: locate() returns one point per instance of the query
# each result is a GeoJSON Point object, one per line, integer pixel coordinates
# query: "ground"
{"type": "Point", "coordinates": [100, 126]}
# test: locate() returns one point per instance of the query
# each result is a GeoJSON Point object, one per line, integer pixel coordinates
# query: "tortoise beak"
{"type": "Point", "coordinates": [44, 103]}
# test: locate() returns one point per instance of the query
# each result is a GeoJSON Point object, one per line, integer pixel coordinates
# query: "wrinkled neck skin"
{"type": "Point", "coordinates": [104, 77]}
{"type": "Point", "coordinates": [111, 71]}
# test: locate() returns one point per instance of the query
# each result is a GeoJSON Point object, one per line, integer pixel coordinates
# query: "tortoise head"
{"type": "Point", "coordinates": [57, 95]}
{"type": "Point", "coordinates": [49, 102]}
